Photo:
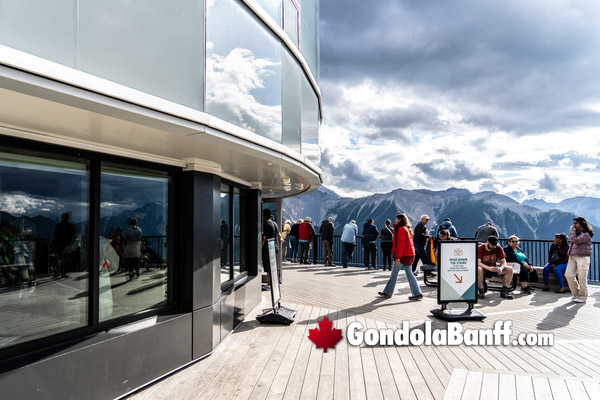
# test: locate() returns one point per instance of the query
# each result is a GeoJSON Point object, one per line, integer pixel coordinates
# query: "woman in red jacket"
{"type": "Point", "coordinates": [403, 252]}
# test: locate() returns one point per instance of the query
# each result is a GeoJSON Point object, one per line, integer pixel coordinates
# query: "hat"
{"type": "Point", "coordinates": [493, 240]}
{"type": "Point", "coordinates": [425, 216]}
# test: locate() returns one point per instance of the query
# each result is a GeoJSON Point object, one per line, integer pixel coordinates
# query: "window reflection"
{"type": "Point", "coordinates": [134, 267]}
{"type": "Point", "coordinates": [243, 70]}
{"type": "Point", "coordinates": [225, 238]}
{"type": "Point", "coordinates": [44, 214]}
{"type": "Point", "coordinates": [231, 243]}
{"type": "Point", "coordinates": [310, 122]}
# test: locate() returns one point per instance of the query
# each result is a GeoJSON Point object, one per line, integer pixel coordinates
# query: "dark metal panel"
{"type": "Point", "coordinates": [202, 332]}
{"type": "Point", "coordinates": [201, 211]}
{"type": "Point", "coordinates": [216, 324]}
{"type": "Point", "coordinates": [108, 368]}
{"type": "Point", "coordinates": [227, 311]}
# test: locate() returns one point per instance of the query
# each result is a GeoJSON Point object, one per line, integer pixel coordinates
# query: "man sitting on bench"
{"type": "Point", "coordinates": [489, 255]}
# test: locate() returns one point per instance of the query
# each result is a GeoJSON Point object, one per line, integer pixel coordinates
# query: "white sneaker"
{"type": "Point", "coordinates": [578, 300]}
{"type": "Point", "coordinates": [573, 298]}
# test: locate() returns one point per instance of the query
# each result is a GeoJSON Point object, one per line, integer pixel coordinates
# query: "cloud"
{"type": "Point", "coordinates": [548, 183]}
{"type": "Point", "coordinates": [505, 90]}
{"type": "Point", "coordinates": [451, 171]}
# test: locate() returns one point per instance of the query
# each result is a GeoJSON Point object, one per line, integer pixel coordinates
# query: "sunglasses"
{"type": "Point", "coordinates": [514, 241]}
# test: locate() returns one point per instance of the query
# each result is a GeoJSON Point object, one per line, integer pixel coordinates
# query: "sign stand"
{"type": "Point", "coordinates": [457, 280]}
{"type": "Point", "coordinates": [277, 314]}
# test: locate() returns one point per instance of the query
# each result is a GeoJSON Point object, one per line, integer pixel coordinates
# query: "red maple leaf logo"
{"type": "Point", "coordinates": [325, 337]}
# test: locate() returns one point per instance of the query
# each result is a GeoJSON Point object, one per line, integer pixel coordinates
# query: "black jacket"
{"type": "Point", "coordinates": [370, 233]}
{"type": "Point", "coordinates": [421, 233]}
{"type": "Point", "coordinates": [326, 231]}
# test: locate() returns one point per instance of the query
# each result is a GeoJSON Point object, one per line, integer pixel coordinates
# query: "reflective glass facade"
{"type": "Point", "coordinates": [44, 227]}
{"type": "Point", "coordinates": [153, 46]}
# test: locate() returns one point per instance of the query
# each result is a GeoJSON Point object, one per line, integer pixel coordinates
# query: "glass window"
{"type": "Point", "coordinates": [44, 232]}
{"type": "Point", "coordinates": [273, 8]}
{"type": "Point", "coordinates": [291, 101]}
{"type": "Point", "coordinates": [291, 20]}
{"type": "Point", "coordinates": [44, 28]}
{"type": "Point", "coordinates": [309, 34]}
{"type": "Point", "coordinates": [155, 46]}
{"type": "Point", "coordinates": [225, 229]}
{"type": "Point", "coordinates": [243, 70]}
{"type": "Point", "coordinates": [310, 122]}
{"type": "Point", "coordinates": [133, 243]}
{"type": "Point", "coordinates": [239, 243]}
{"type": "Point", "coordinates": [232, 242]}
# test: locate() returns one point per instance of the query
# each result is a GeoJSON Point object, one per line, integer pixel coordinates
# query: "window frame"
{"type": "Point", "coordinates": [35, 349]}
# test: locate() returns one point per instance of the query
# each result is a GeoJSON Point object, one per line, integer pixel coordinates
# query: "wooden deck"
{"type": "Point", "coordinates": [269, 361]}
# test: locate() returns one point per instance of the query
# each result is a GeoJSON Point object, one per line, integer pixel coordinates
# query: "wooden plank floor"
{"type": "Point", "coordinates": [273, 362]}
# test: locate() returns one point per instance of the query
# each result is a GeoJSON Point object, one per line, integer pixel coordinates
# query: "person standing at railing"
{"type": "Point", "coordinates": [306, 233]}
{"type": "Point", "coordinates": [348, 242]}
{"type": "Point", "coordinates": [581, 234]}
{"type": "Point", "coordinates": [387, 239]}
{"type": "Point", "coordinates": [294, 240]}
{"type": "Point", "coordinates": [326, 232]}
{"type": "Point", "coordinates": [558, 257]}
{"type": "Point", "coordinates": [285, 234]}
{"type": "Point", "coordinates": [369, 241]}
{"type": "Point", "coordinates": [420, 241]}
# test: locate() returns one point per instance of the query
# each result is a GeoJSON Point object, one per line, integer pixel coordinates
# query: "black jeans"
{"type": "Point", "coordinates": [386, 249]}
{"type": "Point", "coordinates": [370, 249]}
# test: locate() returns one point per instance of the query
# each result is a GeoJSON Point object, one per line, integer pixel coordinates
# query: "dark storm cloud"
{"type": "Point", "coordinates": [548, 183]}
{"type": "Point", "coordinates": [396, 122]}
{"type": "Point", "coordinates": [439, 170]}
{"type": "Point", "coordinates": [526, 67]}
{"type": "Point", "coordinates": [350, 173]}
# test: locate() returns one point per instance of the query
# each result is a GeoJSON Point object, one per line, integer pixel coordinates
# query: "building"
{"type": "Point", "coordinates": [139, 141]}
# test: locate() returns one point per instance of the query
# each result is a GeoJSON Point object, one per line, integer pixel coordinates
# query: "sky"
{"type": "Point", "coordinates": [475, 94]}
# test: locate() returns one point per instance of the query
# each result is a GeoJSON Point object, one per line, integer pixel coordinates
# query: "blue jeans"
{"type": "Point", "coordinates": [558, 271]}
{"type": "Point", "coordinates": [412, 280]}
{"type": "Point", "coordinates": [347, 250]}
{"type": "Point", "coordinates": [294, 243]}
{"type": "Point", "coordinates": [420, 254]}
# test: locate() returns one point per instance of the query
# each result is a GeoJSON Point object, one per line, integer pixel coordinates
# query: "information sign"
{"type": "Point", "coordinates": [457, 268]}
{"type": "Point", "coordinates": [275, 295]}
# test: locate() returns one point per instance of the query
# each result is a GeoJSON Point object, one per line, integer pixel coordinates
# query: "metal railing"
{"type": "Point", "coordinates": [535, 250]}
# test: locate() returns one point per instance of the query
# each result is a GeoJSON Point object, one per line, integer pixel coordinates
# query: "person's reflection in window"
{"type": "Point", "coordinates": [65, 236]}
{"type": "Point", "coordinates": [224, 242]}
{"type": "Point", "coordinates": [133, 250]}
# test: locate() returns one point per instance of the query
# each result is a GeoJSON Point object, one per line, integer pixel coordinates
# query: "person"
{"type": "Point", "coordinates": [581, 234]}
{"type": "Point", "coordinates": [306, 233]}
{"type": "Point", "coordinates": [558, 256]}
{"type": "Point", "coordinates": [489, 255]}
{"type": "Point", "coordinates": [64, 238]}
{"type": "Point", "coordinates": [133, 250]}
{"type": "Point", "coordinates": [447, 224]}
{"type": "Point", "coordinates": [442, 235]}
{"type": "Point", "coordinates": [294, 240]}
{"type": "Point", "coordinates": [326, 232]}
{"type": "Point", "coordinates": [404, 254]}
{"type": "Point", "coordinates": [285, 235]}
{"type": "Point", "coordinates": [224, 242]}
{"type": "Point", "coordinates": [485, 231]}
{"type": "Point", "coordinates": [514, 254]}
{"type": "Point", "coordinates": [270, 230]}
{"type": "Point", "coordinates": [369, 241]}
{"type": "Point", "coordinates": [387, 239]}
{"type": "Point", "coordinates": [420, 242]}
{"type": "Point", "coordinates": [118, 242]}
{"type": "Point", "coordinates": [348, 242]}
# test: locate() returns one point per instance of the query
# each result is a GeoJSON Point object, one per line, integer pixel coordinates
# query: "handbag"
{"type": "Point", "coordinates": [555, 257]}
{"type": "Point", "coordinates": [516, 267]}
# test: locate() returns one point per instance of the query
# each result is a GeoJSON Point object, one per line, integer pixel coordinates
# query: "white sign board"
{"type": "Point", "coordinates": [457, 268]}
{"type": "Point", "coordinates": [275, 295]}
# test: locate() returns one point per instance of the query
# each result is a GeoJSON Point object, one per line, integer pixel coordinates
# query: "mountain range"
{"type": "Point", "coordinates": [532, 219]}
